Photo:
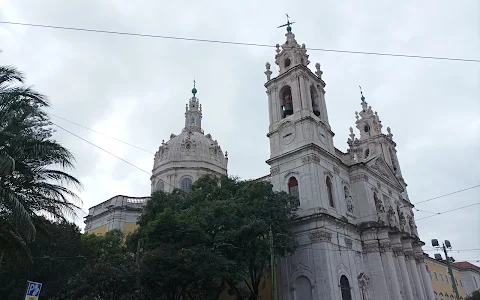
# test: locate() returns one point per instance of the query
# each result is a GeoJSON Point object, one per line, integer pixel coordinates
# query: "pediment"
{"type": "Point", "coordinates": [380, 167]}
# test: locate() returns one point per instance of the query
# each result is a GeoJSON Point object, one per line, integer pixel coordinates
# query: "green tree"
{"type": "Point", "coordinates": [199, 243]}
{"type": "Point", "coordinates": [32, 177]}
{"type": "Point", "coordinates": [474, 296]}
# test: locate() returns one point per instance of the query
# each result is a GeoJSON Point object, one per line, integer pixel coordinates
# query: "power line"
{"type": "Point", "coordinates": [114, 155]}
{"type": "Point", "coordinates": [430, 199]}
{"type": "Point", "coordinates": [236, 43]}
{"type": "Point", "coordinates": [111, 137]}
{"type": "Point", "coordinates": [125, 161]}
{"type": "Point", "coordinates": [447, 211]}
{"type": "Point", "coordinates": [469, 188]}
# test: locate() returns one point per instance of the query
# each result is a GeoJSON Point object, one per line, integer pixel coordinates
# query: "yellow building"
{"type": "Point", "coordinates": [119, 212]}
{"type": "Point", "coordinates": [441, 282]}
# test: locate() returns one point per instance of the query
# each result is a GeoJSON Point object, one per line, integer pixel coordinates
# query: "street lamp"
{"type": "Point", "coordinates": [446, 244]}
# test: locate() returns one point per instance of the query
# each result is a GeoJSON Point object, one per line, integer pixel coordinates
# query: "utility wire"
{"type": "Point", "coordinates": [111, 137]}
{"type": "Point", "coordinates": [447, 211]}
{"type": "Point", "coordinates": [116, 156]}
{"type": "Point", "coordinates": [469, 188]}
{"type": "Point", "coordinates": [430, 199]}
{"type": "Point", "coordinates": [435, 214]}
{"type": "Point", "coordinates": [236, 43]}
{"type": "Point", "coordinates": [125, 161]}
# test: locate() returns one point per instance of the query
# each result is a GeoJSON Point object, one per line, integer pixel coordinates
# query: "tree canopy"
{"type": "Point", "coordinates": [33, 182]}
{"type": "Point", "coordinates": [213, 239]}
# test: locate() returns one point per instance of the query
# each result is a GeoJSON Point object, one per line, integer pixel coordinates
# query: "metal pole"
{"type": "Point", "coordinates": [272, 266]}
{"type": "Point", "coordinates": [452, 278]}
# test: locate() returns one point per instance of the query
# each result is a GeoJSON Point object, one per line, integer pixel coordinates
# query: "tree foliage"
{"type": "Point", "coordinates": [474, 296]}
{"type": "Point", "coordinates": [214, 238]}
{"type": "Point", "coordinates": [32, 177]}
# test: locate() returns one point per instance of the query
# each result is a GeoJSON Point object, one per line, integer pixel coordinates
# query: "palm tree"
{"type": "Point", "coordinates": [32, 178]}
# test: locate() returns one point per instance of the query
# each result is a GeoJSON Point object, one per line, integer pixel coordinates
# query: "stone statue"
{"type": "Point", "coordinates": [391, 216]}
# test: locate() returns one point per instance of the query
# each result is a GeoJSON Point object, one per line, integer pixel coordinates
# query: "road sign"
{"type": "Point", "coordinates": [33, 290]}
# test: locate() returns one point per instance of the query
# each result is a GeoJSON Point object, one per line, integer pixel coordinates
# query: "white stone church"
{"type": "Point", "coordinates": [357, 235]}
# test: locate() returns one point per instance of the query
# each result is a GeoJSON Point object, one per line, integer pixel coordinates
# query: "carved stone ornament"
{"type": "Point", "coordinates": [311, 158]}
{"type": "Point", "coordinates": [274, 170]}
{"type": "Point", "coordinates": [409, 254]}
{"type": "Point", "coordinates": [371, 247]}
{"type": "Point", "coordinates": [350, 207]}
{"type": "Point", "coordinates": [359, 177]}
{"type": "Point", "coordinates": [419, 259]}
{"type": "Point", "coordinates": [336, 170]}
{"type": "Point", "coordinates": [380, 167]}
{"type": "Point", "coordinates": [398, 250]}
{"type": "Point", "coordinates": [391, 216]}
{"type": "Point", "coordinates": [348, 243]}
{"type": "Point", "coordinates": [320, 236]}
{"type": "Point", "coordinates": [385, 246]}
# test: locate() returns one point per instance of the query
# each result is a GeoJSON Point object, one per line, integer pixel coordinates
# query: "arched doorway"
{"type": "Point", "coordinates": [303, 289]}
{"type": "Point", "coordinates": [345, 288]}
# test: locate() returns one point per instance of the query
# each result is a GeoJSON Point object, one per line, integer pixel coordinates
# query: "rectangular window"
{"type": "Point", "coordinates": [441, 277]}
{"type": "Point", "coordinates": [436, 277]}
{"type": "Point", "coordinates": [446, 277]}
{"type": "Point", "coordinates": [475, 280]}
{"type": "Point", "coordinates": [461, 284]}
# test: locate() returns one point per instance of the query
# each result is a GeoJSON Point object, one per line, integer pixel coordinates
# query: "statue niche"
{"type": "Point", "coordinates": [286, 101]}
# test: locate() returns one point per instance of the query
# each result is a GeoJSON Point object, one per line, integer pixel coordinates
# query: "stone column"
{"type": "Point", "coordinates": [303, 93]}
{"type": "Point", "coordinates": [387, 253]}
{"type": "Point", "coordinates": [427, 285]}
{"type": "Point", "coordinates": [375, 266]}
{"type": "Point", "coordinates": [270, 106]}
{"type": "Point", "coordinates": [275, 105]}
{"type": "Point", "coordinates": [398, 251]}
{"type": "Point", "coordinates": [416, 283]}
{"type": "Point", "coordinates": [296, 93]}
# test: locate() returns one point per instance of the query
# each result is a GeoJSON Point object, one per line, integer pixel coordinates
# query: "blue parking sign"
{"type": "Point", "coordinates": [33, 290]}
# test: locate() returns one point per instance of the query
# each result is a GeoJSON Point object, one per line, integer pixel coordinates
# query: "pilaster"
{"type": "Point", "coordinates": [387, 253]}
{"type": "Point", "coordinates": [371, 248]}
{"type": "Point", "coordinates": [420, 261]}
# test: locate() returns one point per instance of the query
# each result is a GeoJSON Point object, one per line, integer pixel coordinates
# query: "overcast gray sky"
{"type": "Point", "coordinates": [135, 88]}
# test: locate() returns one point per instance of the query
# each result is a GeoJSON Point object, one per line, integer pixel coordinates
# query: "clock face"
{"type": "Point", "coordinates": [322, 135]}
{"type": "Point", "coordinates": [287, 133]}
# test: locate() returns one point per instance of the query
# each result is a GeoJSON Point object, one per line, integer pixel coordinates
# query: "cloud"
{"type": "Point", "coordinates": [136, 88]}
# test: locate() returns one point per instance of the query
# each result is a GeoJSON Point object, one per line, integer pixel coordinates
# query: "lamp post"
{"type": "Point", "coordinates": [438, 256]}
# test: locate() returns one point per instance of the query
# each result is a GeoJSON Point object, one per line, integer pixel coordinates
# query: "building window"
{"type": "Point", "coordinates": [436, 277]}
{"type": "Point", "coordinates": [186, 184]}
{"type": "Point", "coordinates": [367, 153]}
{"type": "Point", "coordinates": [328, 182]}
{"type": "Point", "coordinates": [430, 275]}
{"type": "Point", "coordinates": [461, 284]}
{"type": "Point", "coordinates": [293, 188]}
{"type": "Point", "coordinates": [475, 281]}
{"type": "Point", "coordinates": [345, 288]}
{"type": "Point", "coordinates": [286, 101]}
{"type": "Point", "coordinates": [160, 186]}
{"type": "Point", "coordinates": [446, 278]}
{"type": "Point", "coordinates": [441, 277]}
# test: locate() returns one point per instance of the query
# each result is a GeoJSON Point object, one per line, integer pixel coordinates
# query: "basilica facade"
{"type": "Point", "coordinates": [356, 229]}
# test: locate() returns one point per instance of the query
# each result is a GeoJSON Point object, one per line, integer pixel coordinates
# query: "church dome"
{"type": "Point", "coordinates": [189, 155]}
{"type": "Point", "coordinates": [190, 147]}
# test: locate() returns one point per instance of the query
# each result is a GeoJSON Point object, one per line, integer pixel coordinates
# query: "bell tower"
{"type": "Point", "coordinates": [296, 100]}
{"type": "Point", "coordinates": [373, 142]}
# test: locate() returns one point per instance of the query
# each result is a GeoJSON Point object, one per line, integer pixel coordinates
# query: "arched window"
{"type": "Point", "coordinates": [345, 288]}
{"type": "Point", "coordinates": [193, 120]}
{"type": "Point", "coordinates": [293, 187]}
{"type": "Point", "coordinates": [314, 98]}
{"type": "Point", "coordinates": [303, 288]}
{"type": "Point", "coordinates": [367, 153]}
{"type": "Point", "coordinates": [160, 186]}
{"type": "Point", "coordinates": [328, 182]}
{"type": "Point", "coordinates": [186, 184]}
{"type": "Point", "coordinates": [286, 101]}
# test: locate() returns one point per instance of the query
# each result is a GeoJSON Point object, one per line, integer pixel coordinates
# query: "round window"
{"type": "Point", "coordinates": [188, 146]}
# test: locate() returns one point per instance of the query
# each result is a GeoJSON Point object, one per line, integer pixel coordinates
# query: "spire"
{"type": "Point", "coordinates": [194, 90]}
{"type": "Point", "coordinates": [193, 112]}
{"type": "Point", "coordinates": [290, 54]}
{"type": "Point", "coordinates": [368, 121]}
